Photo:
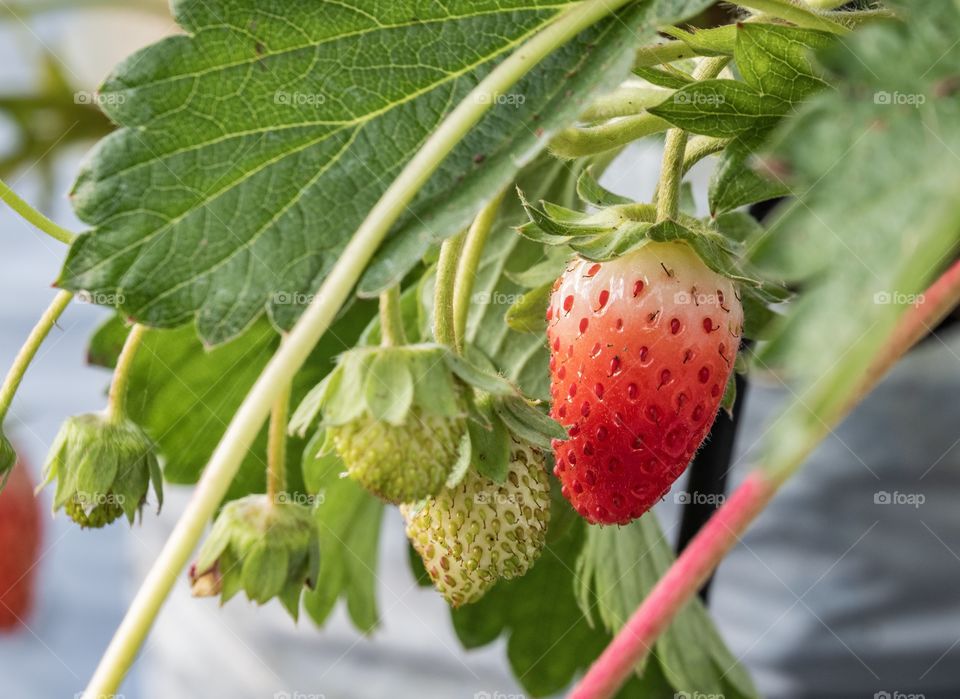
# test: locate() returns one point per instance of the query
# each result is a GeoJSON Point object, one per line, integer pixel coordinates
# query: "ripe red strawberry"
{"type": "Point", "coordinates": [20, 530]}
{"type": "Point", "coordinates": [641, 350]}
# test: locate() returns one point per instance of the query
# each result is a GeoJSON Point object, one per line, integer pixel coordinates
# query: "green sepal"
{"type": "Point", "coordinates": [8, 459]}
{"type": "Point", "coordinates": [614, 243]}
{"type": "Point", "coordinates": [214, 545]}
{"type": "Point", "coordinates": [544, 272]}
{"type": "Point", "coordinates": [521, 428]}
{"type": "Point", "coordinates": [462, 464]}
{"type": "Point", "coordinates": [229, 576]}
{"type": "Point", "coordinates": [388, 388]}
{"type": "Point", "coordinates": [489, 438]}
{"type": "Point", "coordinates": [308, 412]}
{"type": "Point", "coordinates": [343, 402]}
{"type": "Point", "coordinates": [290, 599]}
{"type": "Point", "coordinates": [477, 377]}
{"type": "Point", "coordinates": [264, 572]}
{"type": "Point", "coordinates": [672, 79]}
{"type": "Point", "coordinates": [715, 250]}
{"type": "Point", "coordinates": [528, 313]}
{"type": "Point", "coordinates": [559, 221]}
{"type": "Point", "coordinates": [435, 389]}
{"type": "Point", "coordinates": [534, 418]}
{"type": "Point", "coordinates": [729, 397]}
{"type": "Point", "coordinates": [592, 192]}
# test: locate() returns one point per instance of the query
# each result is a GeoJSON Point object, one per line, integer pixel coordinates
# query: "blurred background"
{"type": "Point", "coordinates": [845, 587]}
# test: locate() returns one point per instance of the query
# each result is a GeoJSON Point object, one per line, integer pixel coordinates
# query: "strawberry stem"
{"type": "Point", "coordinates": [316, 319]}
{"type": "Point", "coordinates": [34, 217]}
{"type": "Point", "coordinates": [674, 149]}
{"type": "Point", "coordinates": [578, 142]}
{"type": "Point", "coordinates": [117, 400]}
{"type": "Point", "coordinates": [470, 257]}
{"type": "Point", "coordinates": [799, 14]}
{"type": "Point", "coordinates": [277, 446]}
{"type": "Point", "coordinates": [697, 562]}
{"type": "Point", "coordinates": [29, 350]}
{"type": "Point", "coordinates": [444, 330]}
{"type": "Point", "coordinates": [391, 318]}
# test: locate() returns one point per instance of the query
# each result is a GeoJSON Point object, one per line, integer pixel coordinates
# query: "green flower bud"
{"type": "Point", "coordinates": [103, 469]}
{"type": "Point", "coordinates": [265, 548]}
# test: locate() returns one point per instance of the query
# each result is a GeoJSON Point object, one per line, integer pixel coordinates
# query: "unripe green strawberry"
{"type": "Point", "coordinates": [267, 548]}
{"type": "Point", "coordinates": [103, 469]}
{"type": "Point", "coordinates": [396, 417]}
{"type": "Point", "coordinates": [480, 531]}
{"type": "Point", "coordinates": [400, 463]}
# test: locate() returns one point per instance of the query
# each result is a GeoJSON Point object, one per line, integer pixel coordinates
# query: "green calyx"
{"type": "Point", "coordinates": [267, 549]}
{"type": "Point", "coordinates": [8, 459]}
{"type": "Point", "coordinates": [620, 226]}
{"type": "Point", "coordinates": [103, 469]}
{"type": "Point", "coordinates": [407, 421]}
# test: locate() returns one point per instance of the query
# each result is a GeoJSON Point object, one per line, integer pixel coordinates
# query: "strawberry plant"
{"type": "Point", "coordinates": [374, 239]}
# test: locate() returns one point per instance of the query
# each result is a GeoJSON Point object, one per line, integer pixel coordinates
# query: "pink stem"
{"type": "Point", "coordinates": [695, 564]}
{"type": "Point", "coordinates": [674, 589]}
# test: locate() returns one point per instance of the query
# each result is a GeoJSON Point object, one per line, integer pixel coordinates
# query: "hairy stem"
{"type": "Point", "coordinates": [34, 217]}
{"type": "Point", "coordinates": [699, 147]}
{"type": "Point", "coordinates": [578, 142]}
{"type": "Point", "coordinates": [674, 149]}
{"type": "Point", "coordinates": [696, 563]}
{"type": "Point", "coordinates": [117, 401]}
{"type": "Point", "coordinates": [29, 350]}
{"type": "Point", "coordinates": [277, 446]}
{"type": "Point", "coordinates": [671, 174]}
{"type": "Point", "coordinates": [335, 290]}
{"type": "Point", "coordinates": [391, 318]}
{"type": "Point", "coordinates": [469, 262]}
{"type": "Point", "coordinates": [800, 15]}
{"type": "Point", "coordinates": [444, 330]}
{"type": "Point", "coordinates": [625, 101]}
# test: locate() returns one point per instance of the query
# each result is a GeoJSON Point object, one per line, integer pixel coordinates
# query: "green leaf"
{"type": "Point", "coordinates": [597, 61]}
{"type": "Point", "coordinates": [348, 523]}
{"type": "Point", "coordinates": [736, 183]}
{"type": "Point", "coordinates": [878, 216]}
{"type": "Point", "coordinates": [388, 388]}
{"type": "Point", "coordinates": [301, 114]}
{"type": "Point", "coordinates": [721, 108]}
{"type": "Point", "coordinates": [777, 60]}
{"type": "Point", "coordinates": [617, 569]}
{"type": "Point", "coordinates": [184, 395]}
